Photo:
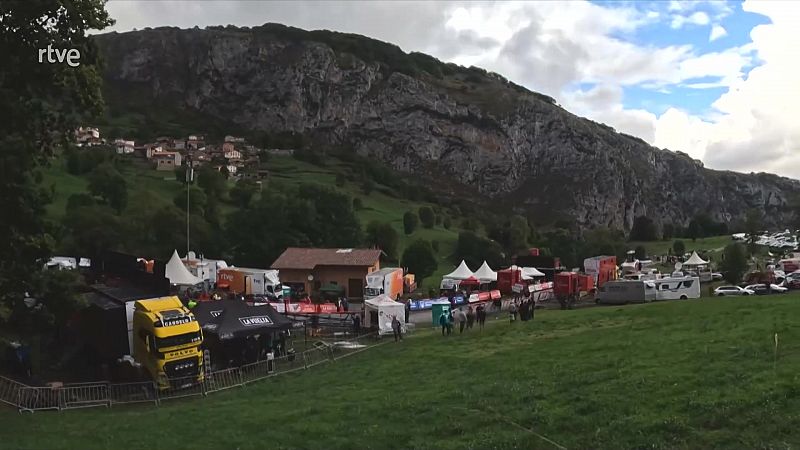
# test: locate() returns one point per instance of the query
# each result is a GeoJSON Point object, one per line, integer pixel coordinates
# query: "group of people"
{"type": "Point", "coordinates": [524, 308]}
{"type": "Point", "coordinates": [465, 320]}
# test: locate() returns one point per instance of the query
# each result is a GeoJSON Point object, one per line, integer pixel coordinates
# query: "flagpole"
{"type": "Point", "coordinates": [189, 176]}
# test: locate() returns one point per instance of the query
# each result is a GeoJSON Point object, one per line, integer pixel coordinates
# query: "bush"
{"type": "Point", "coordinates": [435, 245]}
{"type": "Point", "coordinates": [641, 252]}
{"type": "Point", "coordinates": [357, 204]}
{"type": "Point", "coordinates": [447, 223]}
{"type": "Point", "coordinates": [427, 217]}
{"type": "Point", "coordinates": [340, 180]}
{"type": "Point", "coordinates": [410, 221]}
{"type": "Point", "coordinates": [678, 248]}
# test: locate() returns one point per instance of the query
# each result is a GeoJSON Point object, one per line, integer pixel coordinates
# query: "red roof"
{"type": "Point", "coordinates": [309, 258]}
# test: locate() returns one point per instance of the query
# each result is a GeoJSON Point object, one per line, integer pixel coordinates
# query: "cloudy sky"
{"type": "Point", "coordinates": [717, 80]}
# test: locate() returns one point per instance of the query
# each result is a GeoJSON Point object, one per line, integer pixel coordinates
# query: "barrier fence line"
{"type": "Point", "coordinates": [86, 395]}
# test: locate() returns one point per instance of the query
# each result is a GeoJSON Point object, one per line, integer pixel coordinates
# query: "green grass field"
{"type": "Point", "coordinates": [682, 374]}
{"type": "Point", "coordinates": [709, 244]}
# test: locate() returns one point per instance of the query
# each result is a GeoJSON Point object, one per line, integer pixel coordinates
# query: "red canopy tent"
{"type": "Point", "coordinates": [471, 281]}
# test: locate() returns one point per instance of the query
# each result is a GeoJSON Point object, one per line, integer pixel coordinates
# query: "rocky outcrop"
{"type": "Point", "coordinates": [517, 148]}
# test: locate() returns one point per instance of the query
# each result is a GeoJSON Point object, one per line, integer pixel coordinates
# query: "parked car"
{"type": "Point", "coordinates": [761, 289]}
{"type": "Point", "coordinates": [723, 291]}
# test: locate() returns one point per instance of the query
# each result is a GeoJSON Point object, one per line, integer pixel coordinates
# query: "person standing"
{"type": "Point", "coordinates": [357, 324]}
{"type": "Point", "coordinates": [512, 311]}
{"type": "Point", "coordinates": [397, 329]}
{"type": "Point", "coordinates": [461, 319]}
{"type": "Point", "coordinates": [481, 313]}
{"type": "Point", "coordinates": [443, 319]}
{"type": "Point", "coordinates": [408, 309]}
{"type": "Point", "coordinates": [470, 317]}
{"type": "Point", "coordinates": [450, 320]}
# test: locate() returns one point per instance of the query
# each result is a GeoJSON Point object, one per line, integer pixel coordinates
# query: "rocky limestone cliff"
{"type": "Point", "coordinates": [516, 148]}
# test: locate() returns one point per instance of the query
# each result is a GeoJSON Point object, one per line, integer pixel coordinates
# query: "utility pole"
{"type": "Point", "coordinates": [189, 179]}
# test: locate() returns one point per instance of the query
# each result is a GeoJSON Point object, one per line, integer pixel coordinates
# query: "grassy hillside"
{"type": "Point", "coordinates": [691, 374]}
{"type": "Point", "coordinates": [381, 204]}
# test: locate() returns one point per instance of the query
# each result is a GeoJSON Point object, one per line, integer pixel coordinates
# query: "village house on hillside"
{"type": "Point", "coordinates": [167, 160]}
{"type": "Point", "coordinates": [308, 269]}
{"type": "Point", "coordinates": [124, 147]}
{"type": "Point", "coordinates": [88, 137]}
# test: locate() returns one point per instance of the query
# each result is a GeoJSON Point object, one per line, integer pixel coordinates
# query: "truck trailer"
{"type": "Point", "coordinates": [387, 281]}
{"type": "Point", "coordinates": [242, 280]}
{"type": "Point", "coordinates": [601, 268]}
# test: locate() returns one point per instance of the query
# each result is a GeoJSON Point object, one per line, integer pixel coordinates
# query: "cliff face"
{"type": "Point", "coordinates": [424, 118]}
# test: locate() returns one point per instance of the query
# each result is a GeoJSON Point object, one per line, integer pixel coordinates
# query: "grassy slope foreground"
{"type": "Point", "coordinates": [697, 374]}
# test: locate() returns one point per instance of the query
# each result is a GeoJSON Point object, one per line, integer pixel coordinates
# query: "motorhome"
{"type": "Point", "coordinates": [625, 291]}
{"type": "Point", "coordinates": [680, 288]}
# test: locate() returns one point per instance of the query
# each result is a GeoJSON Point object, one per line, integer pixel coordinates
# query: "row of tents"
{"type": "Point", "coordinates": [485, 274]}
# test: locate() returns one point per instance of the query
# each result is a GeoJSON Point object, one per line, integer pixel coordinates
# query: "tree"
{"type": "Point", "coordinates": [667, 231]}
{"type": "Point", "coordinates": [197, 200]}
{"type": "Point", "coordinates": [106, 182]}
{"type": "Point", "coordinates": [42, 105]}
{"type": "Point", "coordinates": [93, 229]}
{"type": "Point", "coordinates": [475, 249]}
{"type": "Point", "coordinates": [694, 230]}
{"type": "Point", "coordinates": [243, 192]}
{"type": "Point", "coordinates": [420, 260]}
{"type": "Point", "coordinates": [641, 252]}
{"type": "Point", "coordinates": [643, 229]}
{"type": "Point", "coordinates": [427, 217]}
{"type": "Point", "coordinates": [679, 248]}
{"type": "Point", "coordinates": [212, 181]}
{"type": "Point", "coordinates": [752, 227]}
{"type": "Point", "coordinates": [79, 200]}
{"type": "Point", "coordinates": [367, 186]}
{"type": "Point", "coordinates": [385, 237]}
{"type": "Point", "coordinates": [447, 223]}
{"type": "Point", "coordinates": [734, 263]}
{"type": "Point", "coordinates": [410, 221]}
{"type": "Point", "coordinates": [358, 204]}
{"type": "Point", "coordinates": [335, 223]}
{"type": "Point", "coordinates": [340, 180]}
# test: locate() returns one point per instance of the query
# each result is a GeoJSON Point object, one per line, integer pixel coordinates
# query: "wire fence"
{"type": "Point", "coordinates": [60, 397]}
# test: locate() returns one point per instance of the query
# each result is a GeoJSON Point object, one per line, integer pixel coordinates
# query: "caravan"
{"type": "Point", "coordinates": [681, 288]}
{"type": "Point", "coordinates": [625, 291]}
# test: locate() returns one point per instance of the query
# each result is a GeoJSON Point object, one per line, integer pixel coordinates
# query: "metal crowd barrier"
{"type": "Point", "coordinates": [222, 379]}
{"type": "Point", "coordinates": [143, 392]}
{"type": "Point", "coordinates": [9, 391]}
{"type": "Point", "coordinates": [83, 395]}
{"type": "Point", "coordinates": [38, 398]}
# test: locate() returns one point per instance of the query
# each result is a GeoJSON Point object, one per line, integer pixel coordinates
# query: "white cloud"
{"type": "Point", "coordinates": [754, 129]}
{"type": "Point", "coordinates": [696, 18]}
{"type": "Point", "coordinates": [717, 31]}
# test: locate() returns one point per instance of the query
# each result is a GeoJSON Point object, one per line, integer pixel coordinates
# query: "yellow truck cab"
{"type": "Point", "coordinates": [166, 341]}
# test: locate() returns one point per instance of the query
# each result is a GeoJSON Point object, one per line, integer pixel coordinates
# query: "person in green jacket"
{"type": "Point", "coordinates": [444, 320]}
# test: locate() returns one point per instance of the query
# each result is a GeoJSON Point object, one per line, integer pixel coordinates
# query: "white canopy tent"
{"type": "Point", "coordinates": [177, 273]}
{"type": "Point", "coordinates": [529, 273]}
{"type": "Point", "coordinates": [695, 260]}
{"type": "Point", "coordinates": [485, 273]}
{"type": "Point", "coordinates": [379, 312]}
{"type": "Point", "coordinates": [462, 272]}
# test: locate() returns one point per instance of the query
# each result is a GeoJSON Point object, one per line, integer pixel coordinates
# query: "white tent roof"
{"type": "Point", "coordinates": [462, 272]}
{"type": "Point", "coordinates": [485, 273]}
{"type": "Point", "coordinates": [178, 273]}
{"type": "Point", "coordinates": [528, 273]}
{"type": "Point", "coordinates": [695, 260]}
{"type": "Point", "coordinates": [382, 300]}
